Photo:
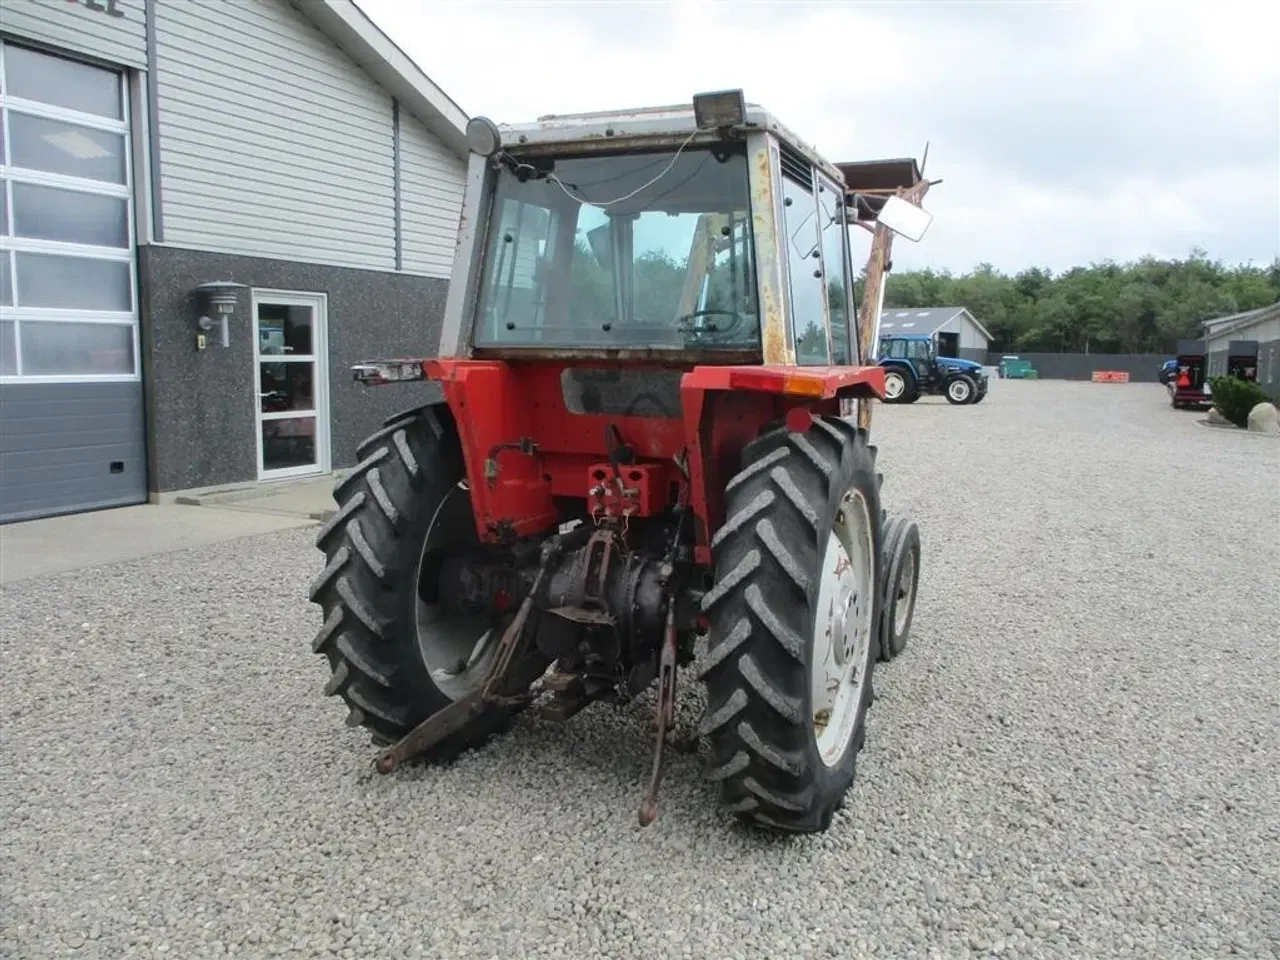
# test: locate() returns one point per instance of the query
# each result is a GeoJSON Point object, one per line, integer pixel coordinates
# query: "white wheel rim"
{"type": "Point", "coordinates": [959, 390]}
{"type": "Point", "coordinates": [893, 385]}
{"type": "Point", "coordinates": [842, 629]}
{"type": "Point", "coordinates": [457, 654]}
{"type": "Point", "coordinates": [906, 593]}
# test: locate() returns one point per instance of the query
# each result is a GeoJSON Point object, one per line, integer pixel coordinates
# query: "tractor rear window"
{"type": "Point", "coordinates": [640, 250]}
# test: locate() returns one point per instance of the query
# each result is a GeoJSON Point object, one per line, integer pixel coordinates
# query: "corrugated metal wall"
{"type": "Point", "coordinates": [290, 154]}
{"type": "Point", "coordinates": [431, 186]}
{"type": "Point", "coordinates": [112, 30]}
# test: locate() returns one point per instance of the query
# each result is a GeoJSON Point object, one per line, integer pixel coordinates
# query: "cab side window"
{"type": "Point", "coordinates": [804, 261]}
{"type": "Point", "coordinates": [831, 224]}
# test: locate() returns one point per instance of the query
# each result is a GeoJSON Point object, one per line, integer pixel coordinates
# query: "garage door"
{"type": "Point", "coordinates": [71, 418]}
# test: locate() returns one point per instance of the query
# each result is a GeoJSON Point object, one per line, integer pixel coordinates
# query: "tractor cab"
{"type": "Point", "coordinates": [707, 236]}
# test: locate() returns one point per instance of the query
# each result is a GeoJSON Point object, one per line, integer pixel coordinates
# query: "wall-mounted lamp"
{"type": "Point", "coordinates": [220, 296]}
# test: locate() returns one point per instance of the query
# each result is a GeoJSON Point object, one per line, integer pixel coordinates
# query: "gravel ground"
{"type": "Point", "coordinates": [1076, 757]}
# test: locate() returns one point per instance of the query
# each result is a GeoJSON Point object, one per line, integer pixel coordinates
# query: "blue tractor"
{"type": "Point", "coordinates": [912, 369]}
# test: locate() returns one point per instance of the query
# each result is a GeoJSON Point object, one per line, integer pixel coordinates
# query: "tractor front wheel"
{"type": "Point", "coordinates": [793, 609]}
{"type": "Point", "coordinates": [961, 390]}
{"type": "Point", "coordinates": [396, 652]}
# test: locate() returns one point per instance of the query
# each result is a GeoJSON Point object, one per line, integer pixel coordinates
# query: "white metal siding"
{"type": "Point", "coordinates": [431, 184]}
{"type": "Point", "coordinates": [949, 327]}
{"type": "Point", "coordinates": [78, 28]}
{"type": "Point", "coordinates": [273, 143]}
{"type": "Point", "coordinates": [1262, 332]}
{"type": "Point", "coordinates": [971, 337]}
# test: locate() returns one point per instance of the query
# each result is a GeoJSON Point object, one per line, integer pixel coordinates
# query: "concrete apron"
{"type": "Point", "coordinates": [174, 521]}
{"type": "Point", "coordinates": [311, 498]}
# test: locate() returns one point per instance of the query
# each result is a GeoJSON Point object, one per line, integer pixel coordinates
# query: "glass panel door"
{"type": "Point", "coordinates": [292, 414]}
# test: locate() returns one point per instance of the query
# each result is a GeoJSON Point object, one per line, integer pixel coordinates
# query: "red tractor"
{"type": "Point", "coordinates": [652, 430]}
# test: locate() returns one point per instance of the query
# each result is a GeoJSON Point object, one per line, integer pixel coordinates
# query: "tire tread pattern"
{"type": "Point", "coordinates": [767, 559]}
{"type": "Point", "coordinates": [405, 468]}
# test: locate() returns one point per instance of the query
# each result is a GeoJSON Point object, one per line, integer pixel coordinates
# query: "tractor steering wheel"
{"type": "Point", "coordinates": [733, 325]}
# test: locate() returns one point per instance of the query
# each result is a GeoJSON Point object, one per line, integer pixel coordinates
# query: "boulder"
{"type": "Point", "coordinates": [1264, 418]}
{"type": "Point", "coordinates": [1216, 417]}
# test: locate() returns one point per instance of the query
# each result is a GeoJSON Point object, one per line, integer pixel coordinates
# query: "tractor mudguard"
{"type": "Point", "coordinates": [524, 449]}
{"type": "Point", "coordinates": [822, 383]}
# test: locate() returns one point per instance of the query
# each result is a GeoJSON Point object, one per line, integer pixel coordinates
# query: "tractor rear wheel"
{"type": "Point", "coordinates": [396, 654]}
{"type": "Point", "coordinates": [900, 386]}
{"type": "Point", "coordinates": [793, 609]}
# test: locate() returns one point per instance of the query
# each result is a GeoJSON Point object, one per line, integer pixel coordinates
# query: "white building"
{"type": "Point", "coordinates": [1260, 326]}
{"type": "Point", "coordinates": [152, 146]}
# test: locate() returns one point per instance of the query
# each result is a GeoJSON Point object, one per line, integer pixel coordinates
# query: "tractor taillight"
{"type": "Point", "coordinates": [796, 384]}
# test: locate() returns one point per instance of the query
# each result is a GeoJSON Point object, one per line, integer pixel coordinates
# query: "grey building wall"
{"type": "Point", "coordinates": [1268, 364]}
{"type": "Point", "coordinates": [1141, 367]}
{"type": "Point", "coordinates": [1267, 334]}
{"type": "Point", "coordinates": [200, 404]}
{"type": "Point", "coordinates": [292, 154]}
{"type": "Point", "coordinates": [111, 30]}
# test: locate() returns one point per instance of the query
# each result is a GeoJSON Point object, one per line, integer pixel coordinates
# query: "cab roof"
{"type": "Point", "coordinates": [648, 126]}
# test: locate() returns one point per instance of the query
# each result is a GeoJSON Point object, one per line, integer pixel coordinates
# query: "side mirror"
{"type": "Point", "coordinates": [905, 219]}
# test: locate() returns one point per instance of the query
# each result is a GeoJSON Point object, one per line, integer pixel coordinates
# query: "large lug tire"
{"type": "Point", "coordinates": [901, 564]}
{"type": "Point", "coordinates": [780, 575]}
{"type": "Point", "coordinates": [961, 390]}
{"type": "Point", "coordinates": [899, 386]}
{"type": "Point", "coordinates": [407, 487]}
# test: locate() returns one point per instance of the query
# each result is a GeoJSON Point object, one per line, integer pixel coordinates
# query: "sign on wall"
{"type": "Point", "coordinates": [112, 8]}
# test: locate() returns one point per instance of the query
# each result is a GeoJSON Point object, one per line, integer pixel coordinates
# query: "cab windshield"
{"type": "Point", "coordinates": [626, 251]}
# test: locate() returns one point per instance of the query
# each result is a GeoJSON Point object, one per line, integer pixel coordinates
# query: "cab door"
{"type": "Point", "coordinates": [920, 356]}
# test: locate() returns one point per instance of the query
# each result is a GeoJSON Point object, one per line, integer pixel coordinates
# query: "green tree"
{"type": "Point", "coordinates": [1140, 307]}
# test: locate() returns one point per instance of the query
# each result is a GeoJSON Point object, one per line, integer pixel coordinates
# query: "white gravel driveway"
{"type": "Point", "coordinates": [1076, 757]}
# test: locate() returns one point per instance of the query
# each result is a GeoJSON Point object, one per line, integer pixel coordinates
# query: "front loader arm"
{"type": "Point", "coordinates": [878, 266]}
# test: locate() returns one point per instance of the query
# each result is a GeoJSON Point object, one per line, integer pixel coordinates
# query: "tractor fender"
{"type": "Point", "coordinates": [818, 383]}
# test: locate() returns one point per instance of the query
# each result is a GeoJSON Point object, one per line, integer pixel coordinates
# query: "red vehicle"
{"type": "Point", "coordinates": [653, 432]}
{"type": "Point", "coordinates": [1189, 385]}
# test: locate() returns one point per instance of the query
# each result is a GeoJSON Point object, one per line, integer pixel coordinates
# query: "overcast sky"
{"type": "Point", "coordinates": [1065, 133]}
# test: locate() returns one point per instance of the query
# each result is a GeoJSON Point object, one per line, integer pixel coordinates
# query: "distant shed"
{"type": "Point", "coordinates": [955, 330]}
{"type": "Point", "coordinates": [1262, 326]}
